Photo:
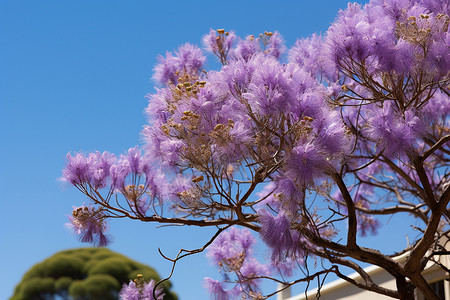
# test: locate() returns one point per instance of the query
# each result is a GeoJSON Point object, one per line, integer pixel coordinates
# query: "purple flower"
{"type": "Point", "coordinates": [219, 42]}
{"type": "Point", "coordinates": [437, 6]}
{"type": "Point", "coordinates": [250, 271]}
{"type": "Point", "coordinates": [395, 9]}
{"type": "Point", "coordinates": [234, 77]}
{"type": "Point", "coordinates": [307, 162]}
{"type": "Point", "coordinates": [187, 61]}
{"type": "Point", "coordinates": [270, 91]}
{"type": "Point", "coordinates": [307, 54]}
{"type": "Point", "coordinates": [119, 171]}
{"type": "Point", "coordinates": [437, 108]}
{"type": "Point", "coordinates": [216, 289]}
{"type": "Point", "coordinates": [160, 147]}
{"type": "Point", "coordinates": [245, 49]}
{"type": "Point", "coordinates": [148, 291]}
{"type": "Point", "coordinates": [135, 161]}
{"type": "Point", "coordinates": [289, 193]}
{"type": "Point", "coordinates": [230, 145]}
{"type": "Point", "coordinates": [93, 169]}
{"type": "Point", "coordinates": [330, 135]}
{"type": "Point", "coordinates": [394, 133]}
{"type": "Point", "coordinates": [129, 292]}
{"type": "Point", "coordinates": [190, 59]}
{"type": "Point", "coordinates": [89, 224]}
{"type": "Point", "coordinates": [100, 168]}
{"type": "Point", "coordinates": [134, 164]}
{"type": "Point", "coordinates": [276, 232]}
{"type": "Point", "coordinates": [165, 70]}
{"type": "Point", "coordinates": [140, 291]}
{"type": "Point", "coordinates": [275, 46]}
{"type": "Point", "coordinates": [231, 248]}
{"type": "Point", "coordinates": [77, 170]}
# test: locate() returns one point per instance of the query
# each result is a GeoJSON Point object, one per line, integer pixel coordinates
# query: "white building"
{"type": "Point", "coordinates": [343, 290]}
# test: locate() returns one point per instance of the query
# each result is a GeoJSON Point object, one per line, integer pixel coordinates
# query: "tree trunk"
{"type": "Point", "coordinates": [405, 289]}
{"type": "Point", "coordinates": [425, 288]}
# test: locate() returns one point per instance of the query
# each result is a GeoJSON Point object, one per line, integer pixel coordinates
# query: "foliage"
{"type": "Point", "coordinates": [307, 152]}
{"type": "Point", "coordinates": [84, 273]}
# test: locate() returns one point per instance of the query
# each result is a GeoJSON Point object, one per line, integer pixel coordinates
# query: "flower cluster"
{"type": "Point", "coordinates": [138, 289]}
{"type": "Point", "coordinates": [404, 37]}
{"type": "Point", "coordinates": [186, 63]}
{"type": "Point", "coordinates": [232, 252]}
{"type": "Point", "coordinates": [95, 168]}
{"type": "Point", "coordinates": [89, 224]}
{"type": "Point", "coordinates": [131, 176]}
{"type": "Point", "coordinates": [278, 233]}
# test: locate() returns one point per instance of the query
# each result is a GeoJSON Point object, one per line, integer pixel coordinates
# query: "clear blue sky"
{"type": "Point", "coordinates": [73, 76]}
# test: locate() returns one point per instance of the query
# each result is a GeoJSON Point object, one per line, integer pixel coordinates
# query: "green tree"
{"type": "Point", "coordinates": [83, 274]}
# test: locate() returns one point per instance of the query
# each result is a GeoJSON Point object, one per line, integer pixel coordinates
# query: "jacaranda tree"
{"type": "Point", "coordinates": [304, 149]}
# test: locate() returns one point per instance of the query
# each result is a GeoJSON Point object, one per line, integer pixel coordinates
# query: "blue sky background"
{"type": "Point", "coordinates": [73, 76]}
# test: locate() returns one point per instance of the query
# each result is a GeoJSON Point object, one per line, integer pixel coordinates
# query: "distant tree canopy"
{"type": "Point", "coordinates": [83, 274]}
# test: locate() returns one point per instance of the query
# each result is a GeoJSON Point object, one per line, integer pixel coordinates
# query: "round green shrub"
{"type": "Point", "coordinates": [83, 274]}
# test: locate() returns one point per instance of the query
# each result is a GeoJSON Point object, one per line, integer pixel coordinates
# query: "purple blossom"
{"type": "Point", "coordinates": [269, 91]}
{"type": "Point", "coordinates": [178, 185]}
{"type": "Point", "coordinates": [394, 133]}
{"type": "Point", "coordinates": [187, 61]}
{"type": "Point", "coordinates": [307, 54]}
{"type": "Point", "coordinates": [230, 248]}
{"type": "Point", "coordinates": [231, 147]}
{"type": "Point", "coordinates": [366, 224]}
{"type": "Point", "coordinates": [438, 58]}
{"type": "Point", "coordinates": [437, 108]}
{"type": "Point", "coordinates": [93, 169]}
{"type": "Point", "coordinates": [276, 232]}
{"type": "Point", "coordinates": [89, 224]}
{"type": "Point", "coordinates": [395, 9]}
{"type": "Point", "coordinates": [437, 6]}
{"type": "Point", "coordinates": [246, 48]}
{"type": "Point", "coordinates": [100, 165]}
{"type": "Point", "coordinates": [275, 46]}
{"type": "Point", "coordinates": [216, 289]}
{"type": "Point", "coordinates": [77, 170]}
{"type": "Point", "coordinates": [236, 76]}
{"type": "Point", "coordinates": [138, 292]}
{"type": "Point", "coordinates": [135, 161]}
{"type": "Point", "coordinates": [307, 162]}
{"type": "Point", "coordinates": [165, 70]}
{"type": "Point", "coordinates": [289, 193]}
{"type": "Point", "coordinates": [119, 171]}
{"type": "Point", "coordinates": [219, 43]}
{"type": "Point", "coordinates": [162, 148]}
{"type": "Point", "coordinates": [330, 135]}
{"type": "Point", "coordinates": [250, 271]}
{"type": "Point", "coordinates": [190, 59]}
{"type": "Point", "coordinates": [129, 292]}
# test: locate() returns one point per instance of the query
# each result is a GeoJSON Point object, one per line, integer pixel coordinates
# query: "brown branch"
{"type": "Point", "coordinates": [201, 223]}
{"type": "Point", "coordinates": [180, 255]}
{"type": "Point", "coordinates": [436, 146]}
{"type": "Point", "coordinates": [370, 286]}
{"type": "Point", "coordinates": [352, 222]}
{"type": "Point", "coordinates": [428, 190]}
